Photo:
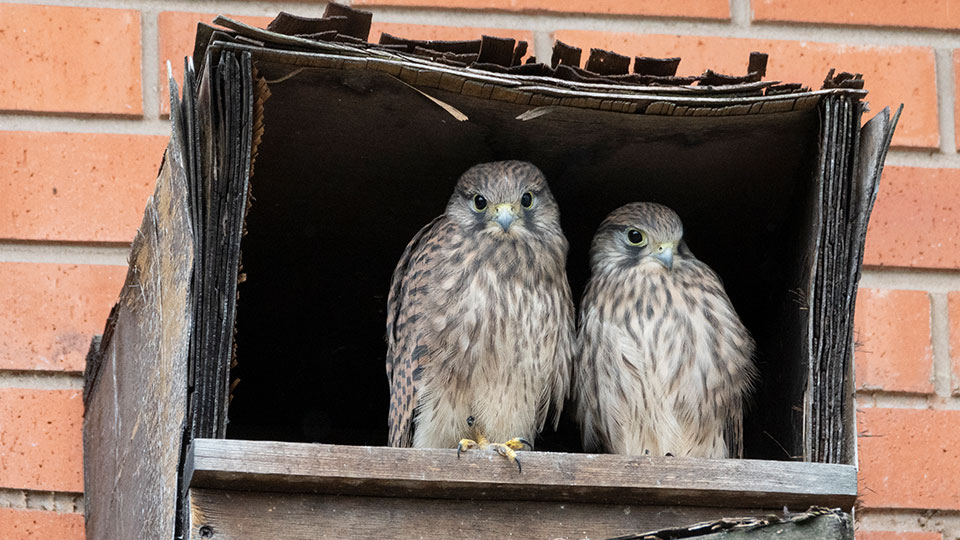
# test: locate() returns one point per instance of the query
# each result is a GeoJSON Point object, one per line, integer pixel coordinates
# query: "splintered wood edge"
{"type": "Point", "coordinates": [595, 478]}
{"type": "Point", "coordinates": [410, 69]}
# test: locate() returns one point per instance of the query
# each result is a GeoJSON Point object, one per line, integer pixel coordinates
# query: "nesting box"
{"type": "Point", "coordinates": [298, 168]}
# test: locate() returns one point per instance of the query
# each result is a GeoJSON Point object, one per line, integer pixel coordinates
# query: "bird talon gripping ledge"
{"type": "Point", "coordinates": [464, 445]}
{"type": "Point", "coordinates": [507, 451]}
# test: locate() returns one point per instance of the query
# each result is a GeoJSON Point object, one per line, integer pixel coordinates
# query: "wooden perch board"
{"type": "Point", "coordinates": [599, 478]}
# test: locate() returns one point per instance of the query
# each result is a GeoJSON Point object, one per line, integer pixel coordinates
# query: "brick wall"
{"type": "Point", "coordinates": [82, 128]}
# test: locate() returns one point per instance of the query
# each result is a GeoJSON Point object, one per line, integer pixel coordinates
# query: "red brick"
{"type": "Point", "coordinates": [82, 187]}
{"type": "Point", "coordinates": [49, 312]}
{"type": "Point", "coordinates": [702, 9]}
{"type": "Point", "coordinates": [916, 13]}
{"type": "Point", "coordinates": [36, 524]}
{"type": "Point", "coordinates": [893, 330]}
{"type": "Point", "coordinates": [916, 221]}
{"type": "Point", "coordinates": [893, 535]}
{"type": "Point", "coordinates": [176, 34]}
{"type": "Point", "coordinates": [909, 458]}
{"type": "Point", "coordinates": [70, 60]}
{"type": "Point", "coordinates": [40, 439]}
{"type": "Point", "coordinates": [892, 74]}
{"type": "Point", "coordinates": [956, 102]}
{"type": "Point", "coordinates": [953, 308]}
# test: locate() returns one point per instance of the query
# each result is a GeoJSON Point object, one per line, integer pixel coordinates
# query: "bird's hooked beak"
{"type": "Point", "coordinates": [663, 253]}
{"type": "Point", "coordinates": [505, 214]}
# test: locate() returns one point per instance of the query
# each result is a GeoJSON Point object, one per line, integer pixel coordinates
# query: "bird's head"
{"type": "Point", "coordinates": [639, 234]}
{"type": "Point", "coordinates": [504, 199]}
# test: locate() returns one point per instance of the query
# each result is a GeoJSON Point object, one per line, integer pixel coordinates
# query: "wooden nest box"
{"type": "Point", "coordinates": [301, 161]}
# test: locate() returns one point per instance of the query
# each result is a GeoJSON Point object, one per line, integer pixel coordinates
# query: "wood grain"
{"type": "Point", "coordinates": [234, 515]}
{"type": "Point", "coordinates": [133, 422]}
{"type": "Point", "coordinates": [605, 479]}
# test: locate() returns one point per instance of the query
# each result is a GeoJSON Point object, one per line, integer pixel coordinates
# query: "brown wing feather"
{"type": "Point", "coordinates": [737, 347]}
{"type": "Point", "coordinates": [733, 434]}
{"type": "Point", "coordinates": [566, 351]}
{"type": "Point", "coordinates": [406, 354]}
{"type": "Point", "coordinates": [585, 379]}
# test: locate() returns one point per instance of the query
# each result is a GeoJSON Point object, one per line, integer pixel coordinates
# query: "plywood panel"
{"type": "Point", "coordinates": [136, 398]}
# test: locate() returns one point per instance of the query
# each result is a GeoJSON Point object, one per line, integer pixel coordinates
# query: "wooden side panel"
{"type": "Point", "coordinates": [235, 515]}
{"type": "Point", "coordinates": [851, 161]}
{"type": "Point", "coordinates": [224, 131]}
{"type": "Point", "coordinates": [875, 137]}
{"type": "Point", "coordinates": [135, 411]}
{"type": "Point", "coordinates": [100, 441]}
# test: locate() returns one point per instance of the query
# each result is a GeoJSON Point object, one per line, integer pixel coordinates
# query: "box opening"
{"type": "Point", "coordinates": [353, 162]}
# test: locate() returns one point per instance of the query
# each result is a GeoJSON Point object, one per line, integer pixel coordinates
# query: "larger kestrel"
{"type": "Point", "coordinates": [665, 362]}
{"type": "Point", "coordinates": [480, 320]}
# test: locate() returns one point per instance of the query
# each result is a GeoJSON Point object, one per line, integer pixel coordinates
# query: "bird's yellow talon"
{"type": "Point", "coordinates": [508, 452]}
{"type": "Point", "coordinates": [519, 443]}
{"type": "Point", "coordinates": [466, 444]}
{"type": "Point", "coordinates": [507, 449]}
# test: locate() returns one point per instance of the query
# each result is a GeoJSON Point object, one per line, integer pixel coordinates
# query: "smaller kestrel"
{"type": "Point", "coordinates": [665, 362]}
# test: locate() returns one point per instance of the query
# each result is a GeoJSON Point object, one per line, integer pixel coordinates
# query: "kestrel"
{"type": "Point", "coordinates": [665, 362]}
{"type": "Point", "coordinates": [480, 319]}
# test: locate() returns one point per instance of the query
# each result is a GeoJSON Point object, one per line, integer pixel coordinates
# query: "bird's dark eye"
{"type": "Point", "coordinates": [479, 202]}
{"type": "Point", "coordinates": [527, 200]}
{"type": "Point", "coordinates": [636, 237]}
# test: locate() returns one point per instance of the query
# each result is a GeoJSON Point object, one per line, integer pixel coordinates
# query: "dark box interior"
{"type": "Point", "coordinates": [363, 161]}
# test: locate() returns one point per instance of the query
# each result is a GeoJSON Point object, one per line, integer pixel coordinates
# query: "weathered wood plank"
{"type": "Point", "coordinates": [134, 419]}
{"type": "Point", "coordinates": [234, 515]}
{"type": "Point", "coordinates": [400, 472]}
{"type": "Point", "coordinates": [100, 444]}
{"type": "Point", "coordinates": [225, 131]}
